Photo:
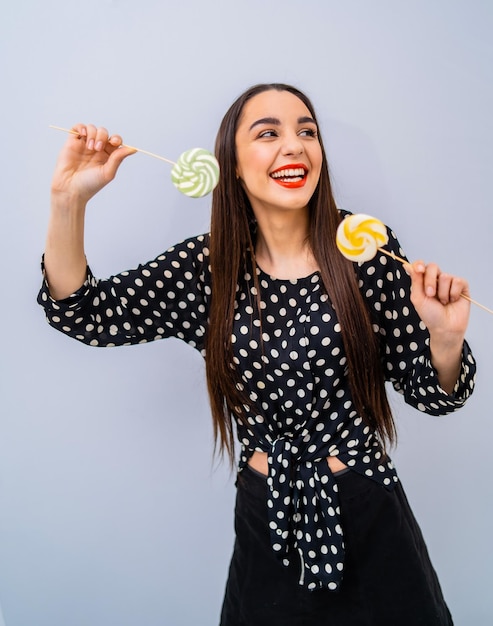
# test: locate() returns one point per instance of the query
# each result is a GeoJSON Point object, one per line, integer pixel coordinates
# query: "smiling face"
{"type": "Point", "coordinates": [279, 156]}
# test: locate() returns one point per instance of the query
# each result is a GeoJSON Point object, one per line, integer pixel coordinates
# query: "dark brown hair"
{"type": "Point", "coordinates": [231, 251]}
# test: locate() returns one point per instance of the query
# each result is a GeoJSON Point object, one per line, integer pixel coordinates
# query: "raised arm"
{"type": "Point", "coordinates": [88, 161]}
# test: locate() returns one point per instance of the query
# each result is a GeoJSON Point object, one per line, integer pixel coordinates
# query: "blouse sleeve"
{"type": "Point", "coordinates": [166, 297]}
{"type": "Point", "coordinates": [405, 339]}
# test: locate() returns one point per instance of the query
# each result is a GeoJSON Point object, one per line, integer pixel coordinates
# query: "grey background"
{"type": "Point", "coordinates": [112, 510]}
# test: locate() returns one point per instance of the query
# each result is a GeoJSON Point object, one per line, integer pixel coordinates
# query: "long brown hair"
{"type": "Point", "coordinates": [231, 251]}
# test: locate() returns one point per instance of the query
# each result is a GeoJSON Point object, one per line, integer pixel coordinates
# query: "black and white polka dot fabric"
{"type": "Point", "coordinates": [292, 366]}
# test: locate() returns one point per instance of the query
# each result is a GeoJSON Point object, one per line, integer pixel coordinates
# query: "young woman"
{"type": "Point", "coordinates": [298, 343]}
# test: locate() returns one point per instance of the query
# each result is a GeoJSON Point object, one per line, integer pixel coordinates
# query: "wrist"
{"type": "Point", "coordinates": [446, 357]}
{"type": "Point", "coordinates": [446, 343]}
{"type": "Point", "coordinates": [67, 204]}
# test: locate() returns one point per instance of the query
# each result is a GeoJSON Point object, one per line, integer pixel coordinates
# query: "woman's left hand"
{"type": "Point", "coordinates": [437, 298]}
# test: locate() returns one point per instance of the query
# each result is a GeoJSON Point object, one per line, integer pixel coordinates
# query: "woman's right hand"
{"type": "Point", "coordinates": [88, 161]}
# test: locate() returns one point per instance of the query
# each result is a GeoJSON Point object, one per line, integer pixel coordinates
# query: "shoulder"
{"type": "Point", "coordinates": [191, 252]}
{"type": "Point", "coordinates": [382, 272]}
{"type": "Point", "coordinates": [184, 261]}
{"type": "Point", "coordinates": [196, 246]}
{"type": "Point", "coordinates": [344, 213]}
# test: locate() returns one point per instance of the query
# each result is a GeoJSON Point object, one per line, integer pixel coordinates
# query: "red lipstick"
{"type": "Point", "coordinates": [291, 176]}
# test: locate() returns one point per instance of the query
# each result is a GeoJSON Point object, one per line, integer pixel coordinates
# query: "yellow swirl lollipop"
{"type": "Point", "coordinates": [359, 237]}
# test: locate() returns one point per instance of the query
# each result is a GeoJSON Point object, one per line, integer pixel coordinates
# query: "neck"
{"type": "Point", "coordinates": [282, 248]}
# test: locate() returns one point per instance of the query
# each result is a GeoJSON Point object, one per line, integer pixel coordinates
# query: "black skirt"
{"type": "Point", "coordinates": [388, 577]}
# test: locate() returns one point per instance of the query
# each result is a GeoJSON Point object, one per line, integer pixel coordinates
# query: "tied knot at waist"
{"type": "Point", "coordinates": [304, 515]}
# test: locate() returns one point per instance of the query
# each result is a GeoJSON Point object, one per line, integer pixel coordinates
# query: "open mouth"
{"type": "Point", "coordinates": [290, 175]}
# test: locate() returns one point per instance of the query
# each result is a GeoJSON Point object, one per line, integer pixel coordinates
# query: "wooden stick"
{"type": "Point", "coordinates": [393, 256]}
{"type": "Point", "coordinates": [476, 303]}
{"type": "Point", "coordinates": [398, 258]}
{"type": "Point", "coordinates": [156, 156]}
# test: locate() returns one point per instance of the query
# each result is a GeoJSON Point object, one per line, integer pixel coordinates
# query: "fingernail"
{"type": "Point", "coordinates": [430, 291]}
{"type": "Point", "coordinates": [90, 144]}
{"type": "Point", "coordinates": [99, 146]}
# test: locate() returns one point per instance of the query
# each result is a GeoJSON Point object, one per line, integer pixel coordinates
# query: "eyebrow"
{"type": "Point", "coordinates": [276, 122]}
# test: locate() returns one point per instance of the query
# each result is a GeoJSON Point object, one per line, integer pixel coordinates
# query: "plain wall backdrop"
{"type": "Point", "coordinates": [112, 510]}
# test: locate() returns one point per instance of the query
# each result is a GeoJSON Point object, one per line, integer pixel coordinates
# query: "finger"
{"type": "Point", "coordinates": [116, 158]}
{"type": "Point", "coordinates": [444, 287]}
{"type": "Point", "coordinates": [458, 288]}
{"type": "Point", "coordinates": [100, 139]}
{"type": "Point", "coordinates": [115, 141]}
{"type": "Point", "coordinates": [416, 271]}
{"type": "Point", "coordinates": [432, 272]}
{"type": "Point", "coordinates": [417, 267]}
{"type": "Point", "coordinates": [77, 137]}
{"type": "Point", "coordinates": [91, 132]}
{"type": "Point", "coordinates": [96, 138]}
{"type": "Point", "coordinates": [80, 129]}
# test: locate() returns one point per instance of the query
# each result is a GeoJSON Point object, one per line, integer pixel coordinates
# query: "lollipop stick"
{"type": "Point", "coordinates": [393, 256]}
{"type": "Point", "coordinates": [156, 156]}
{"type": "Point", "coordinates": [481, 306]}
{"type": "Point", "coordinates": [398, 258]}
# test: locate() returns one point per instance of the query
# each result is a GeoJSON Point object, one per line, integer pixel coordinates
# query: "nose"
{"type": "Point", "coordinates": [293, 146]}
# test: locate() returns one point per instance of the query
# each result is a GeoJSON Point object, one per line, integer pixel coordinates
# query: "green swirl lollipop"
{"type": "Point", "coordinates": [196, 173]}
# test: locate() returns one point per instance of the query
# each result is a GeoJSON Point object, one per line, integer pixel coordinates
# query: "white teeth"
{"type": "Point", "coordinates": [290, 172]}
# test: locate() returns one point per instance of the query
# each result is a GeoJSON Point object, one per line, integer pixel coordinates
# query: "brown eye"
{"type": "Point", "coordinates": [308, 132]}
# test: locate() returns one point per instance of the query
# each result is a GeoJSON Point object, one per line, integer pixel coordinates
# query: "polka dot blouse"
{"type": "Point", "coordinates": [293, 368]}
